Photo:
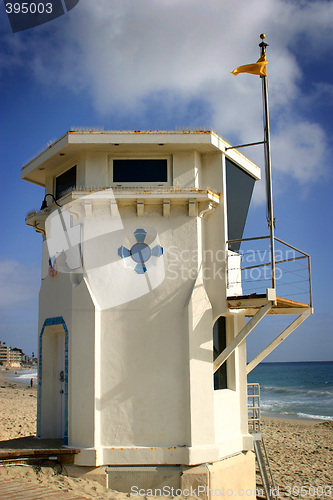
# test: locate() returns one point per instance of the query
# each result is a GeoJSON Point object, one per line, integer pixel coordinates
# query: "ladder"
{"type": "Point", "coordinates": [253, 405]}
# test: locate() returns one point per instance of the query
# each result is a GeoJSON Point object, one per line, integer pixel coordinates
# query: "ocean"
{"type": "Point", "coordinates": [23, 376]}
{"type": "Point", "coordinates": [295, 390]}
{"type": "Point", "coordinates": [290, 390]}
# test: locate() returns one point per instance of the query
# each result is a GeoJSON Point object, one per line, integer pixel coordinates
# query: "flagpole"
{"type": "Point", "coordinates": [268, 167]}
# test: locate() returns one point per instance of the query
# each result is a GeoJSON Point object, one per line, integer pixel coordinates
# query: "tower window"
{"type": "Point", "coordinates": [140, 171]}
{"type": "Point", "coordinates": [65, 181]}
{"type": "Point", "coordinates": [219, 344]}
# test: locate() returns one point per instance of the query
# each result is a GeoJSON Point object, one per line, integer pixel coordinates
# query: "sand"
{"type": "Point", "coordinates": [18, 409]}
{"type": "Point", "coordinates": [300, 454]}
{"type": "Point", "coordinates": [300, 451]}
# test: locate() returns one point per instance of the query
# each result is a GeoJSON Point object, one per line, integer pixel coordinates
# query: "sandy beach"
{"type": "Point", "coordinates": [300, 451]}
{"type": "Point", "coordinates": [18, 409]}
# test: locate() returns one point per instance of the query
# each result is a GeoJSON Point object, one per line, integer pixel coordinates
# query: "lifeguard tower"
{"type": "Point", "coordinates": [142, 309]}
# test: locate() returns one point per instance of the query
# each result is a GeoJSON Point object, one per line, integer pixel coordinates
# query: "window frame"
{"type": "Point", "coordinates": [59, 175]}
{"type": "Point", "coordinates": [113, 184]}
{"type": "Point", "coordinates": [230, 363]}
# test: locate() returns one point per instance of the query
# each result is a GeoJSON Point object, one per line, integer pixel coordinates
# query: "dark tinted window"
{"type": "Point", "coordinates": [219, 344]}
{"type": "Point", "coordinates": [65, 181]}
{"type": "Point", "coordinates": [239, 191]}
{"type": "Point", "coordinates": [140, 171]}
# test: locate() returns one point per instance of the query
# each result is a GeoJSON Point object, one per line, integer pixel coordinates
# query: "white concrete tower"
{"type": "Point", "coordinates": [133, 305]}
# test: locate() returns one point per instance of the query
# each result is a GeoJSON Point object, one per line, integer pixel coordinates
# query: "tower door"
{"type": "Point", "coordinates": [52, 392]}
{"type": "Point", "coordinates": [60, 385]}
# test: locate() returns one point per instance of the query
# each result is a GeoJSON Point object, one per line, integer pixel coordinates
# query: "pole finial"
{"type": "Point", "coordinates": [263, 44]}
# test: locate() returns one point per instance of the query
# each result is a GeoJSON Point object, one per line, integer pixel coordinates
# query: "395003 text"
{"type": "Point", "coordinates": [308, 491]}
{"type": "Point", "coordinates": [29, 8]}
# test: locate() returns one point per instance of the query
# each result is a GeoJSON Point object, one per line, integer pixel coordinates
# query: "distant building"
{"type": "Point", "coordinates": [10, 357]}
{"type": "Point", "coordinates": [4, 354]}
{"type": "Point", "coordinates": [25, 359]}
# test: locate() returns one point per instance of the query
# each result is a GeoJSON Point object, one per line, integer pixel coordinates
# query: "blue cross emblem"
{"type": "Point", "coordinates": [140, 252]}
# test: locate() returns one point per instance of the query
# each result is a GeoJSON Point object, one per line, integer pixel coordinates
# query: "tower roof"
{"type": "Point", "coordinates": [75, 142]}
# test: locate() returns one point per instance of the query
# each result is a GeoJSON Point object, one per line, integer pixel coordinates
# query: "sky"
{"type": "Point", "coordinates": [166, 65]}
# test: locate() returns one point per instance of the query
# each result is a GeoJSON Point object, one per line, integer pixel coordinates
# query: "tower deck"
{"type": "Point", "coordinates": [252, 303]}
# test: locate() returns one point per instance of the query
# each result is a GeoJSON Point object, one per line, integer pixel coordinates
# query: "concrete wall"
{"type": "Point", "coordinates": [187, 170]}
{"type": "Point", "coordinates": [58, 298]}
{"type": "Point", "coordinates": [96, 170]}
{"type": "Point", "coordinates": [231, 403]}
{"type": "Point", "coordinates": [232, 477]}
{"type": "Point", "coordinates": [215, 235]}
{"type": "Point", "coordinates": [140, 373]}
{"type": "Point", "coordinates": [82, 387]}
{"type": "Point", "coordinates": [145, 347]}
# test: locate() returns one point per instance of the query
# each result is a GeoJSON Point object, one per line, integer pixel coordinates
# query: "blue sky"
{"type": "Point", "coordinates": [162, 64]}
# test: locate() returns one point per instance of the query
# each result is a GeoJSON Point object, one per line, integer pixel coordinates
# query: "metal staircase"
{"type": "Point", "coordinates": [264, 469]}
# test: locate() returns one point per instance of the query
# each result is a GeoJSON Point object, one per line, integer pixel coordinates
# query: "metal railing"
{"type": "Point", "coordinates": [254, 427]}
{"type": "Point", "coordinates": [292, 268]}
{"type": "Point", "coordinates": [253, 407]}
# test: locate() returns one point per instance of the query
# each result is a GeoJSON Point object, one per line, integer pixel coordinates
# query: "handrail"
{"type": "Point", "coordinates": [240, 240]}
{"type": "Point", "coordinates": [248, 239]}
{"type": "Point", "coordinates": [290, 246]}
{"type": "Point", "coordinates": [303, 255]}
{"type": "Point", "coordinates": [277, 262]}
{"type": "Point", "coordinates": [310, 281]}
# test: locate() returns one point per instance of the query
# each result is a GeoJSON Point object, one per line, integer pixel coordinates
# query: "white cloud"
{"type": "Point", "coordinates": [128, 53]}
{"type": "Point", "coordinates": [19, 285]}
{"type": "Point", "coordinates": [300, 151]}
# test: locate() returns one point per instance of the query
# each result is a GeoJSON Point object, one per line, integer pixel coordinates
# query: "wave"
{"type": "Point", "coordinates": [22, 377]}
{"type": "Point", "coordinates": [297, 407]}
{"type": "Point", "coordinates": [315, 417]}
{"type": "Point", "coordinates": [296, 391]}
{"type": "Point", "coordinates": [273, 411]}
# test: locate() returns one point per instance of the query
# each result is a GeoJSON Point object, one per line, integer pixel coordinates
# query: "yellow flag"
{"type": "Point", "coordinates": [258, 68]}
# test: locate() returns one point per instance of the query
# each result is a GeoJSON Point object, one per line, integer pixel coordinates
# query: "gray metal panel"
{"type": "Point", "coordinates": [239, 192]}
